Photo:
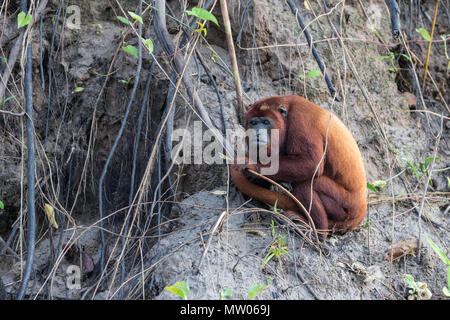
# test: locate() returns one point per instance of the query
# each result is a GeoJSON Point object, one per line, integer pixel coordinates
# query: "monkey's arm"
{"type": "Point", "coordinates": [296, 168]}
{"type": "Point", "coordinates": [260, 193]}
{"type": "Point", "coordinates": [302, 155]}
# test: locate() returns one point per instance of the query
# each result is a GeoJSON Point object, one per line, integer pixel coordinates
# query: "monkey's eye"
{"type": "Point", "coordinates": [253, 122]}
{"type": "Point", "coordinates": [266, 122]}
{"type": "Point", "coordinates": [282, 110]}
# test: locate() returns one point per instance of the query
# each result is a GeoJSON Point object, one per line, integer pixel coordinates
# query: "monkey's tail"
{"type": "Point", "coordinates": [260, 193]}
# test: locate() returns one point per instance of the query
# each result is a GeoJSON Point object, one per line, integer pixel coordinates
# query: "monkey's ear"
{"type": "Point", "coordinates": [282, 109]}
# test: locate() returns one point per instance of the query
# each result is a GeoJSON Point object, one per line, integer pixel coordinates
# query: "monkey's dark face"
{"type": "Point", "coordinates": [260, 134]}
{"type": "Point", "coordinates": [261, 119]}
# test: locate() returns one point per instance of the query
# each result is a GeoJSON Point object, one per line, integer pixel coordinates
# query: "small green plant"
{"type": "Point", "coordinates": [127, 81]}
{"type": "Point", "coordinates": [376, 185]}
{"type": "Point", "coordinates": [416, 290]}
{"type": "Point", "coordinates": [311, 74]}
{"type": "Point", "coordinates": [257, 288]}
{"type": "Point", "coordinates": [131, 50]}
{"type": "Point", "coordinates": [391, 56]}
{"type": "Point", "coordinates": [135, 17]}
{"type": "Point", "coordinates": [278, 249]}
{"type": "Point", "coordinates": [23, 19]}
{"type": "Point", "coordinates": [179, 288]}
{"type": "Point", "coordinates": [424, 33]}
{"type": "Point", "coordinates": [446, 260]}
{"type": "Point", "coordinates": [2, 205]}
{"type": "Point", "coordinates": [7, 99]}
{"type": "Point", "coordinates": [444, 37]}
{"type": "Point", "coordinates": [225, 293]}
{"type": "Point", "coordinates": [275, 209]}
{"type": "Point", "coordinates": [149, 44]}
{"type": "Point", "coordinates": [78, 89]}
{"type": "Point", "coordinates": [423, 167]}
{"type": "Point", "coordinates": [213, 54]}
{"type": "Point", "coordinates": [202, 14]}
{"type": "Point", "coordinates": [201, 28]}
{"type": "Point", "coordinates": [123, 19]}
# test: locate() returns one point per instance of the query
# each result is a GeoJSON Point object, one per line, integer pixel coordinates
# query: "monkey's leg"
{"type": "Point", "coordinates": [345, 210]}
{"type": "Point", "coordinates": [333, 197]}
{"type": "Point", "coordinates": [318, 213]}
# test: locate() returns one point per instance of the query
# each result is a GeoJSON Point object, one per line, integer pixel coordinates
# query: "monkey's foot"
{"type": "Point", "coordinates": [294, 216]}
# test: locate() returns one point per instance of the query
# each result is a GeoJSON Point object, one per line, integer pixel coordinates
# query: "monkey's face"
{"type": "Point", "coordinates": [259, 135]}
{"type": "Point", "coordinates": [261, 119]}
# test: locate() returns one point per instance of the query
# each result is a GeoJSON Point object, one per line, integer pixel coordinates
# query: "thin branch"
{"type": "Point", "coordinates": [31, 162]}
{"type": "Point", "coordinates": [429, 45]}
{"type": "Point", "coordinates": [395, 20]}
{"type": "Point", "coordinates": [232, 54]}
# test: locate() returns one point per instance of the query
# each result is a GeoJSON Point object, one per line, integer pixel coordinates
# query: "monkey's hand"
{"type": "Point", "coordinates": [240, 163]}
{"type": "Point", "coordinates": [254, 167]}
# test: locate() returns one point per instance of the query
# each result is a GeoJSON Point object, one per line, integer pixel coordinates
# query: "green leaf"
{"type": "Point", "coordinates": [313, 74]}
{"type": "Point", "coordinates": [371, 187]}
{"type": "Point", "coordinates": [254, 290]}
{"type": "Point", "coordinates": [406, 56]}
{"type": "Point", "coordinates": [267, 258]}
{"type": "Point", "coordinates": [446, 292]}
{"type": "Point", "coordinates": [409, 280]}
{"type": "Point", "coordinates": [4, 60]}
{"type": "Point", "coordinates": [412, 167]}
{"type": "Point", "coordinates": [7, 99]}
{"type": "Point", "coordinates": [149, 44]}
{"type": "Point", "coordinates": [379, 184]}
{"type": "Point", "coordinates": [428, 161]}
{"type": "Point", "coordinates": [78, 89]}
{"type": "Point", "coordinates": [23, 19]}
{"type": "Point", "coordinates": [2, 206]}
{"type": "Point", "coordinates": [136, 17]}
{"type": "Point", "coordinates": [179, 288]}
{"type": "Point", "coordinates": [202, 14]}
{"type": "Point", "coordinates": [424, 33]}
{"type": "Point", "coordinates": [448, 182]}
{"type": "Point", "coordinates": [275, 208]}
{"type": "Point", "coordinates": [131, 50]}
{"type": "Point", "coordinates": [383, 57]}
{"type": "Point", "coordinates": [226, 293]}
{"type": "Point", "coordinates": [438, 251]}
{"type": "Point", "coordinates": [123, 19]}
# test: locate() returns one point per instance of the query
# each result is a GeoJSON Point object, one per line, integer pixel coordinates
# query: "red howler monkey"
{"type": "Point", "coordinates": [339, 183]}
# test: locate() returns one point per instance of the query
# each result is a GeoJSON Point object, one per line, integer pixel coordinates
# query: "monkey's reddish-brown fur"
{"type": "Point", "coordinates": [339, 185]}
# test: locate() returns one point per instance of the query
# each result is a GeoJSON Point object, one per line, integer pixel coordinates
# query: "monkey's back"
{"type": "Point", "coordinates": [343, 160]}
